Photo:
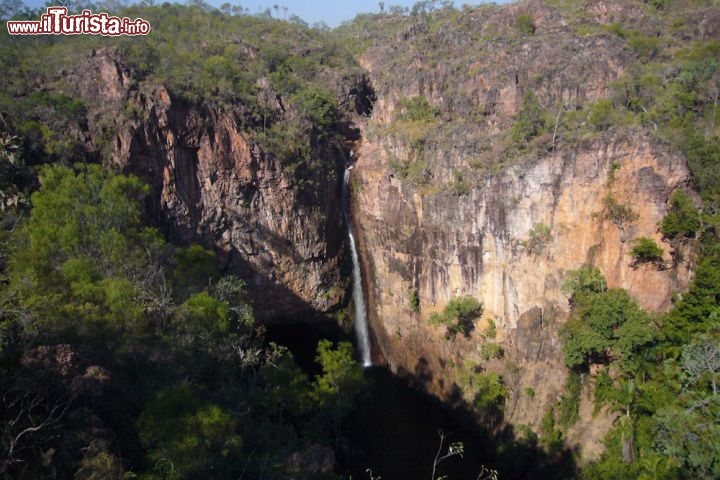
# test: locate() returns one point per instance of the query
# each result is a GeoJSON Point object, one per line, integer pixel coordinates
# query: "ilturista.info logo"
{"type": "Point", "coordinates": [57, 22]}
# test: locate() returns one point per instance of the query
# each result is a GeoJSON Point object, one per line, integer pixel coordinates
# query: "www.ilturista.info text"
{"type": "Point", "coordinates": [57, 22]}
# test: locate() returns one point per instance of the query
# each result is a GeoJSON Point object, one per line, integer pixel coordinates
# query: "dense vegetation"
{"type": "Point", "coordinates": [123, 354]}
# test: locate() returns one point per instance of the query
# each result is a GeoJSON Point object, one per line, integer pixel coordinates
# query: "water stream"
{"type": "Point", "coordinates": [360, 313]}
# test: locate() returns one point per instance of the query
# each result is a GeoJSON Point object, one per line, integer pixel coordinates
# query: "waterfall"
{"type": "Point", "coordinates": [360, 313]}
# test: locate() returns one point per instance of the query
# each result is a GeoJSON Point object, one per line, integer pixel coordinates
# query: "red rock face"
{"type": "Point", "coordinates": [427, 235]}
{"type": "Point", "coordinates": [210, 184]}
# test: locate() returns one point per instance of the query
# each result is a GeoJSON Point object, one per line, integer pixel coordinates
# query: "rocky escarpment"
{"type": "Point", "coordinates": [279, 228]}
{"type": "Point", "coordinates": [452, 213]}
{"type": "Point", "coordinates": [443, 246]}
{"type": "Point", "coordinates": [446, 201]}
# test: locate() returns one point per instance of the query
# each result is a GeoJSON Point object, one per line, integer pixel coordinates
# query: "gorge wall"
{"type": "Point", "coordinates": [444, 246]}
{"type": "Point", "coordinates": [443, 205]}
{"type": "Point", "coordinates": [448, 212]}
{"type": "Point", "coordinates": [211, 183]}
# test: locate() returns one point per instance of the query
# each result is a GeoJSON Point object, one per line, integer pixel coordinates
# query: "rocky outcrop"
{"type": "Point", "coordinates": [463, 226]}
{"type": "Point", "coordinates": [443, 246]}
{"type": "Point", "coordinates": [211, 183]}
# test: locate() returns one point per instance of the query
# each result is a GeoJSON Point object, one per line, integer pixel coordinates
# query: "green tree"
{"type": "Point", "coordinates": [340, 382]}
{"type": "Point", "coordinates": [701, 362]}
{"type": "Point", "coordinates": [583, 281]}
{"type": "Point", "coordinates": [208, 317]}
{"type": "Point", "coordinates": [645, 250]}
{"type": "Point", "coordinates": [319, 105]}
{"type": "Point", "coordinates": [697, 310]}
{"type": "Point", "coordinates": [459, 315]}
{"type": "Point", "coordinates": [687, 430]}
{"type": "Point", "coordinates": [285, 391]}
{"type": "Point", "coordinates": [604, 326]}
{"type": "Point", "coordinates": [195, 270]}
{"type": "Point", "coordinates": [682, 217]}
{"type": "Point", "coordinates": [530, 120]}
{"type": "Point", "coordinates": [189, 438]}
{"type": "Point", "coordinates": [489, 391]}
{"type": "Point", "coordinates": [84, 213]}
{"type": "Point", "coordinates": [80, 255]}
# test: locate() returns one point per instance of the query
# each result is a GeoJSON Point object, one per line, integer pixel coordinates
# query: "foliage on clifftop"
{"type": "Point", "coordinates": [290, 87]}
{"type": "Point", "coordinates": [507, 93]}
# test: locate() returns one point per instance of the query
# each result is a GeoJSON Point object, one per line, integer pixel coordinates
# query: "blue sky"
{"type": "Point", "coordinates": [332, 12]}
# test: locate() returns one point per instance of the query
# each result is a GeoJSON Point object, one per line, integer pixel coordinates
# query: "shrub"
{"type": "Point", "coordinates": [530, 121]}
{"type": "Point", "coordinates": [614, 167]}
{"type": "Point", "coordinates": [538, 238]}
{"type": "Point", "coordinates": [569, 404]}
{"type": "Point", "coordinates": [618, 213]}
{"type": "Point", "coordinates": [414, 299]}
{"type": "Point", "coordinates": [458, 185]}
{"type": "Point", "coordinates": [491, 330]}
{"type": "Point", "coordinates": [682, 217]}
{"type": "Point", "coordinates": [524, 24]}
{"type": "Point", "coordinates": [646, 47]}
{"type": "Point", "coordinates": [411, 170]}
{"type": "Point", "coordinates": [600, 115]}
{"type": "Point", "coordinates": [417, 109]}
{"type": "Point", "coordinates": [415, 119]}
{"type": "Point", "coordinates": [490, 391]}
{"type": "Point", "coordinates": [645, 250]}
{"type": "Point", "coordinates": [491, 350]}
{"type": "Point", "coordinates": [459, 315]}
{"type": "Point", "coordinates": [486, 391]}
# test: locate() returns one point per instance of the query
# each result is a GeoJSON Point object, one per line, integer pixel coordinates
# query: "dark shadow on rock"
{"type": "Point", "coordinates": [423, 374]}
{"type": "Point", "coordinates": [515, 455]}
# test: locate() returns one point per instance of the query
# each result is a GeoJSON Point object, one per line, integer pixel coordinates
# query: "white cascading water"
{"type": "Point", "coordinates": [360, 314]}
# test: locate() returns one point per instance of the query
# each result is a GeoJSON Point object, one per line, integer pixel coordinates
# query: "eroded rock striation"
{"type": "Point", "coordinates": [451, 211]}
{"type": "Point", "coordinates": [211, 183]}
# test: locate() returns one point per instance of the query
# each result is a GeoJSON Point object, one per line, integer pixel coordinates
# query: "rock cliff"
{"type": "Point", "coordinates": [443, 246]}
{"type": "Point", "coordinates": [445, 202]}
{"type": "Point", "coordinates": [211, 183]}
{"type": "Point", "coordinates": [450, 211]}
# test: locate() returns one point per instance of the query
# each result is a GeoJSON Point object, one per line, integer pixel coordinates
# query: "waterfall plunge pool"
{"type": "Point", "coordinates": [394, 429]}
